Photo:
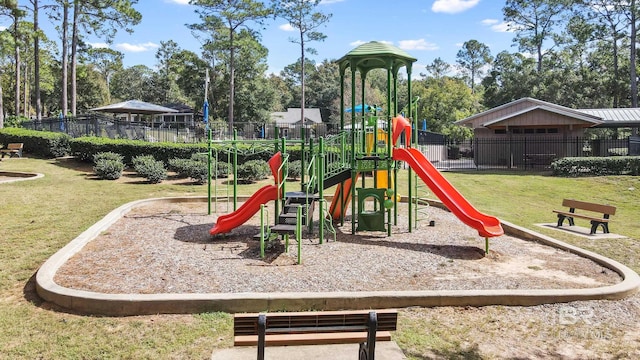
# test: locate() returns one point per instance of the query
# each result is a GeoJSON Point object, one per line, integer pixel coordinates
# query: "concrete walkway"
{"type": "Point", "coordinates": [385, 350]}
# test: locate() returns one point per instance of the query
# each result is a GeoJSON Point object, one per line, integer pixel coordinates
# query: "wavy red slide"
{"type": "Point", "coordinates": [226, 223]}
{"type": "Point", "coordinates": [487, 226]}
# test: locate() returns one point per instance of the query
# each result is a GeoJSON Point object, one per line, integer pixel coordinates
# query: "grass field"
{"type": "Point", "coordinates": [39, 217]}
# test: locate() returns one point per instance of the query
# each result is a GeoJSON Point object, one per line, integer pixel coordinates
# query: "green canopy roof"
{"type": "Point", "coordinates": [375, 55]}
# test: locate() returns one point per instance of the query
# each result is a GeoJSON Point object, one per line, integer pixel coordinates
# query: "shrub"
{"type": "Point", "coordinates": [42, 143]}
{"type": "Point", "coordinates": [108, 169]}
{"type": "Point", "coordinates": [295, 169]}
{"type": "Point", "coordinates": [596, 166]}
{"type": "Point", "coordinates": [253, 170]}
{"type": "Point", "coordinates": [107, 155]}
{"type": "Point", "coordinates": [140, 160]}
{"type": "Point", "coordinates": [150, 168]}
{"type": "Point", "coordinates": [198, 171]}
{"type": "Point", "coordinates": [180, 166]}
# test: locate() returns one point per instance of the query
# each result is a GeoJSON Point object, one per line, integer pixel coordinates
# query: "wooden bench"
{"type": "Point", "coordinates": [573, 205]}
{"type": "Point", "coordinates": [12, 149]}
{"type": "Point", "coordinates": [311, 328]}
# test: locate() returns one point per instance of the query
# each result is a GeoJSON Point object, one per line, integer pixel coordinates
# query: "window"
{"type": "Point", "coordinates": [500, 131]}
{"type": "Point", "coordinates": [529, 131]}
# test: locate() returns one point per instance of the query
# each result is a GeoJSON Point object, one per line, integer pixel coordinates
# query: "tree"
{"type": "Point", "coordinates": [437, 69]}
{"type": "Point", "coordinates": [167, 68]}
{"type": "Point", "coordinates": [534, 22]}
{"type": "Point", "coordinates": [301, 16]}
{"type": "Point", "coordinates": [7, 8]}
{"type": "Point", "coordinates": [224, 19]}
{"type": "Point", "coordinates": [610, 17]}
{"type": "Point", "coordinates": [132, 83]}
{"type": "Point", "coordinates": [472, 57]}
{"type": "Point", "coordinates": [107, 62]}
{"type": "Point", "coordinates": [102, 18]}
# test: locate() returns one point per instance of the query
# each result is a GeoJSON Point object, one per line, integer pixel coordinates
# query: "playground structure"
{"type": "Point", "coordinates": [372, 143]}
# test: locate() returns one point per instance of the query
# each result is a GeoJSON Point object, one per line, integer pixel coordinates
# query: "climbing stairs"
{"type": "Point", "coordinates": [287, 219]}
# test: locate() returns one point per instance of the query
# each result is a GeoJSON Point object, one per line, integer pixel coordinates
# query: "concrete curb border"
{"type": "Point", "coordinates": [145, 304]}
{"type": "Point", "coordinates": [19, 176]}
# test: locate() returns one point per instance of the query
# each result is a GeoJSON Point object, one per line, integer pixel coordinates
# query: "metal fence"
{"type": "Point", "coordinates": [515, 153]}
{"type": "Point", "coordinates": [521, 153]}
{"type": "Point", "coordinates": [117, 128]}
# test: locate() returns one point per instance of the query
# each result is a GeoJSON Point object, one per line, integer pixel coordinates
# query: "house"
{"type": "Point", "coordinates": [185, 116]}
{"type": "Point", "coordinates": [528, 128]}
{"type": "Point", "coordinates": [289, 122]}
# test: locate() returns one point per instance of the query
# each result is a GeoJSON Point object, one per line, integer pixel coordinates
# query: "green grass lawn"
{"type": "Point", "coordinates": [39, 217]}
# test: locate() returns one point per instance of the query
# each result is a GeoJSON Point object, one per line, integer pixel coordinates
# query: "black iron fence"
{"type": "Point", "coordinates": [521, 153]}
{"type": "Point", "coordinates": [515, 153]}
{"type": "Point", "coordinates": [118, 128]}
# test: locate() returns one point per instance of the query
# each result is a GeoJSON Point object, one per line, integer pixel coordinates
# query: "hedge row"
{"type": "Point", "coordinates": [596, 166]}
{"type": "Point", "coordinates": [84, 148]}
{"type": "Point", "coordinates": [39, 143]}
{"type": "Point", "coordinates": [53, 144]}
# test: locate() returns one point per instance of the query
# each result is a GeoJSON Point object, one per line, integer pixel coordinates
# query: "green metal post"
{"type": "Point", "coordinates": [320, 168]}
{"type": "Point", "coordinates": [486, 246]}
{"type": "Point", "coordinates": [312, 170]}
{"type": "Point", "coordinates": [209, 172]}
{"type": "Point", "coordinates": [299, 233]}
{"type": "Point", "coordinates": [235, 169]}
{"type": "Point", "coordinates": [262, 231]}
{"type": "Point", "coordinates": [302, 162]}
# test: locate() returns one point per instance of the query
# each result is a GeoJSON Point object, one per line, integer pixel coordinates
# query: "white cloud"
{"type": "Point", "coordinates": [420, 44]}
{"type": "Point", "coordinates": [499, 26]}
{"type": "Point", "coordinates": [453, 6]}
{"type": "Point", "coordinates": [503, 27]}
{"type": "Point", "coordinates": [327, 2]}
{"type": "Point", "coordinates": [99, 45]}
{"type": "Point", "coordinates": [360, 42]}
{"type": "Point", "coordinates": [126, 47]}
{"type": "Point", "coordinates": [3, 28]}
{"type": "Point", "coordinates": [489, 22]}
{"type": "Point", "coordinates": [180, 2]}
{"type": "Point", "coordinates": [286, 27]}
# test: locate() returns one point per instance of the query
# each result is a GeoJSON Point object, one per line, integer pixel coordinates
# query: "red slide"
{"type": "Point", "coordinates": [226, 223]}
{"type": "Point", "coordinates": [337, 209]}
{"type": "Point", "coordinates": [487, 226]}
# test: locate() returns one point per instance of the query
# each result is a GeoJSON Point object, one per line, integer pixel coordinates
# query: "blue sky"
{"type": "Point", "coordinates": [426, 29]}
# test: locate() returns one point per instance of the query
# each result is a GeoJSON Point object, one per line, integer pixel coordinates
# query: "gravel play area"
{"type": "Point", "coordinates": [166, 248]}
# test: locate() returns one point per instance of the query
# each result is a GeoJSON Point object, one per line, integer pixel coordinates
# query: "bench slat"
{"type": "Point", "coordinates": [598, 208]}
{"type": "Point", "coordinates": [310, 339]}
{"type": "Point", "coordinates": [246, 324]}
{"type": "Point", "coordinates": [566, 213]}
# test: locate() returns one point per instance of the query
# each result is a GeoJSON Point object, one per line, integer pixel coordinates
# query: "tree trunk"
{"type": "Point", "coordinates": [633, 76]}
{"type": "Point", "coordinates": [65, 59]}
{"type": "Point", "coordinates": [1, 108]}
{"type": "Point", "coordinates": [36, 60]}
{"type": "Point", "coordinates": [232, 83]}
{"type": "Point", "coordinates": [17, 61]}
{"type": "Point", "coordinates": [74, 56]}
{"type": "Point", "coordinates": [25, 99]}
{"type": "Point", "coordinates": [302, 74]}
{"type": "Point", "coordinates": [634, 79]}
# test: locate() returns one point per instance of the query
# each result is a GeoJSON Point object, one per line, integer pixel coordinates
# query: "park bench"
{"type": "Point", "coordinates": [12, 149]}
{"type": "Point", "coordinates": [573, 205]}
{"type": "Point", "coordinates": [312, 328]}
